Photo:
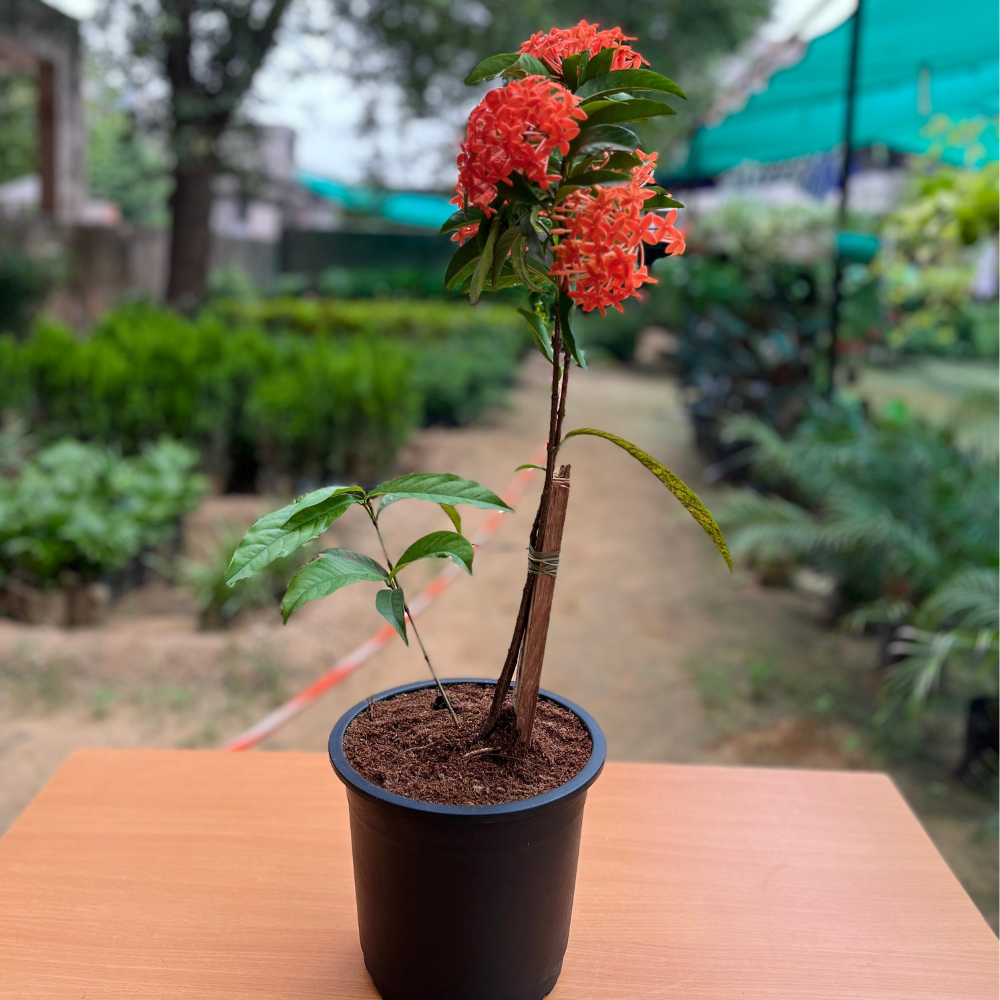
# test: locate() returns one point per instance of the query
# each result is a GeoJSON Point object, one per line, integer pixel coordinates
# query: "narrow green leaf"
{"type": "Point", "coordinates": [438, 544]}
{"type": "Point", "coordinates": [517, 255]}
{"type": "Point", "coordinates": [538, 269]}
{"type": "Point", "coordinates": [528, 465]}
{"type": "Point", "coordinates": [391, 605]}
{"type": "Point", "coordinates": [267, 541]}
{"type": "Point", "coordinates": [539, 332]}
{"type": "Point", "coordinates": [504, 245]}
{"type": "Point", "coordinates": [672, 482]}
{"type": "Point", "coordinates": [604, 138]}
{"type": "Point", "coordinates": [453, 516]}
{"type": "Point", "coordinates": [615, 112]}
{"type": "Point", "coordinates": [462, 263]}
{"type": "Point", "coordinates": [570, 71]}
{"type": "Point", "coordinates": [483, 267]}
{"type": "Point", "coordinates": [437, 487]}
{"type": "Point", "coordinates": [597, 65]}
{"type": "Point", "coordinates": [491, 67]}
{"type": "Point", "coordinates": [323, 507]}
{"type": "Point", "coordinates": [462, 218]}
{"type": "Point", "coordinates": [525, 65]}
{"type": "Point", "coordinates": [627, 80]}
{"type": "Point", "coordinates": [329, 571]}
{"type": "Point", "coordinates": [565, 311]}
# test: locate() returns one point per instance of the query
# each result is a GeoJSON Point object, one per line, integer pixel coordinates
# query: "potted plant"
{"type": "Point", "coordinates": [466, 798]}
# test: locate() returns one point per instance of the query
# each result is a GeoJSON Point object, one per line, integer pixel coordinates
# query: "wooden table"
{"type": "Point", "coordinates": [199, 874]}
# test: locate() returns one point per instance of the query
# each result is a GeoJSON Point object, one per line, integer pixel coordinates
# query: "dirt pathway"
{"type": "Point", "coordinates": [678, 659]}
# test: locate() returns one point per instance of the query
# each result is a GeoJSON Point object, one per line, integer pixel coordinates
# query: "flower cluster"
{"type": "Point", "coordinates": [515, 128]}
{"type": "Point", "coordinates": [602, 231]}
{"type": "Point", "coordinates": [559, 43]}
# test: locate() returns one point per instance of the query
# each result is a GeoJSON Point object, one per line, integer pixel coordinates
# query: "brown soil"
{"type": "Point", "coordinates": [409, 745]}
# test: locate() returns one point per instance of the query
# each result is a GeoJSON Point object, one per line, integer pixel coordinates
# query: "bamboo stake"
{"type": "Point", "coordinates": [544, 565]}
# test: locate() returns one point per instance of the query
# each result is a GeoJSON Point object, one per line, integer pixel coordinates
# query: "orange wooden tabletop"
{"type": "Point", "coordinates": [199, 874]}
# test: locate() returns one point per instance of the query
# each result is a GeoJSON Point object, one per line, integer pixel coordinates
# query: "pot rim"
{"type": "Point", "coordinates": [578, 783]}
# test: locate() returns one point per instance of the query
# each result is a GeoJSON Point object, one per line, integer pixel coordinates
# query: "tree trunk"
{"type": "Point", "coordinates": [190, 234]}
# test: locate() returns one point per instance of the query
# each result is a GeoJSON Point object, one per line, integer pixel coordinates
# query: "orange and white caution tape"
{"type": "Point", "coordinates": [273, 721]}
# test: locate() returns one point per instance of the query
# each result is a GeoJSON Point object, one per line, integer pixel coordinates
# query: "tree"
{"type": "Point", "coordinates": [18, 126]}
{"type": "Point", "coordinates": [207, 53]}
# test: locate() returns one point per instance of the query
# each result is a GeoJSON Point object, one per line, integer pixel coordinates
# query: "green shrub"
{"type": "Point", "coordinates": [24, 282]}
{"type": "Point", "coordinates": [83, 509]}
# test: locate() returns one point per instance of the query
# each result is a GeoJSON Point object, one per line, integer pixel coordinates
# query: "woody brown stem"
{"type": "Point", "coordinates": [557, 410]}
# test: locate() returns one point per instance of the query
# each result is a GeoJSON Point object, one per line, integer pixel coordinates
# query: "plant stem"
{"type": "Point", "coordinates": [557, 411]}
{"type": "Point", "coordinates": [413, 625]}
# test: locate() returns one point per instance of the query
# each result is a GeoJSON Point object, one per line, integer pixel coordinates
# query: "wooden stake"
{"type": "Point", "coordinates": [544, 564]}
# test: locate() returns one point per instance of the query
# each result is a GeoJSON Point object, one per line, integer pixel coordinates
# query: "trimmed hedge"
{"type": "Point", "coordinates": [310, 390]}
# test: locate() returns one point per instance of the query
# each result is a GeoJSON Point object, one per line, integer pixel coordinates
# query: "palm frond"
{"type": "Point", "coordinates": [970, 599]}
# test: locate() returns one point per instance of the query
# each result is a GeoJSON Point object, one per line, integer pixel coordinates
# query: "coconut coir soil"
{"type": "Point", "coordinates": [409, 745]}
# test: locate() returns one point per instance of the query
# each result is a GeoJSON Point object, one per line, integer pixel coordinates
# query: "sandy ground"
{"type": "Point", "coordinates": [678, 659]}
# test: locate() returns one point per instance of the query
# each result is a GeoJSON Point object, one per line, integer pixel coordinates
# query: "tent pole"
{"type": "Point", "coordinates": [845, 166]}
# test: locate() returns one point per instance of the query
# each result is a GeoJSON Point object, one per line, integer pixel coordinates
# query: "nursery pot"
{"type": "Point", "coordinates": [464, 902]}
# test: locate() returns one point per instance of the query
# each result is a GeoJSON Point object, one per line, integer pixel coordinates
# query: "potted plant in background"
{"type": "Point", "coordinates": [466, 798]}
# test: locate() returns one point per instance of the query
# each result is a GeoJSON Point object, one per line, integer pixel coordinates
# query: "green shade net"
{"type": "Point", "coordinates": [917, 60]}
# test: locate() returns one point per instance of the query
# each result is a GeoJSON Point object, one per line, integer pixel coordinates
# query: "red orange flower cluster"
{"type": "Point", "coordinates": [515, 128]}
{"type": "Point", "coordinates": [602, 231]}
{"type": "Point", "coordinates": [559, 43]}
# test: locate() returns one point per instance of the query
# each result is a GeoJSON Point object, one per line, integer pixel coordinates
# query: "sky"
{"type": "Point", "coordinates": [327, 110]}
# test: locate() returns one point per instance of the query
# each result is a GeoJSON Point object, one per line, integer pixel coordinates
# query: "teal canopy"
{"type": "Point", "coordinates": [405, 208]}
{"type": "Point", "coordinates": [917, 59]}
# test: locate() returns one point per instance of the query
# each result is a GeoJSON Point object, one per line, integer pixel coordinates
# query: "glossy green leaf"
{"type": "Point", "coordinates": [437, 487]}
{"type": "Point", "coordinates": [516, 189]}
{"type": "Point", "coordinates": [453, 516]}
{"type": "Point", "coordinates": [391, 605]}
{"type": "Point", "coordinates": [463, 217]}
{"type": "Point", "coordinates": [614, 112]}
{"type": "Point", "coordinates": [520, 265]}
{"type": "Point", "coordinates": [622, 161]}
{"type": "Point", "coordinates": [438, 544]}
{"type": "Point", "coordinates": [591, 178]}
{"type": "Point", "coordinates": [267, 541]}
{"type": "Point", "coordinates": [329, 571]}
{"type": "Point", "coordinates": [482, 269]}
{"type": "Point", "coordinates": [525, 65]}
{"type": "Point", "coordinates": [627, 80]}
{"type": "Point", "coordinates": [491, 67]}
{"type": "Point", "coordinates": [570, 70]}
{"type": "Point", "coordinates": [597, 65]}
{"type": "Point", "coordinates": [462, 264]}
{"type": "Point", "coordinates": [539, 332]}
{"type": "Point", "coordinates": [565, 311]}
{"type": "Point", "coordinates": [660, 201]}
{"type": "Point", "coordinates": [672, 482]}
{"type": "Point", "coordinates": [529, 465]}
{"type": "Point", "coordinates": [504, 245]}
{"type": "Point", "coordinates": [604, 138]}
{"type": "Point", "coordinates": [323, 507]}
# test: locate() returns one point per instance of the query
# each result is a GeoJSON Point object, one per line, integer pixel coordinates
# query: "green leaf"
{"type": "Point", "coordinates": [391, 605]}
{"type": "Point", "coordinates": [529, 465]}
{"type": "Point", "coordinates": [660, 201]}
{"type": "Point", "coordinates": [329, 571]}
{"type": "Point", "coordinates": [453, 516]}
{"type": "Point", "coordinates": [570, 70]}
{"type": "Point", "coordinates": [672, 482]}
{"type": "Point", "coordinates": [525, 65]}
{"type": "Point", "coordinates": [462, 264]}
{"type": "Point", "coordinates": [591, 178]}
{"type": "Point", "coordinates": [627, 79]}
{"type": "Point", "coordinates": [323, 507]}
{"type": "Point", "coordinates": [597, 65]}
{"type": "Point", "coordinates": [601, 138]}
{"type": "Point", "coordinates": [504, 246]}
{"type": "Point", "coordinates": [484, 265]}
{"type": "Point", "coordinates": [539, 332]}
{"type": "Point", "coordinates": [565, 311]}
{"type": "Point", "coordinates": [462, 218]}
{"type": "Point", "coordinates": [517, 261]}
{"type": "Point", "coordinates": [439, 544]}
{"type": "Point", "coordinates": [516, 189]}
{"type": "Point", "coordinates": [491, 67]}
{"type": "Point", "coordinates": [622, 161]}
{"type": "Point", "coordinates": [437, 487]}
{"type": "Point", "coordinates": [538, 269]}
{"type": "Point", "coordinates": [613, 112]}
{"type": "Point", "coordinates": [267, 541]}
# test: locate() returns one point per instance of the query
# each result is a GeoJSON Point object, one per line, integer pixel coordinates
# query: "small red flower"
{"type": "Point", "coordinates": [559, 43]}
{"type": "Point", "coordinates": [515, 128]}
{"type": "Point", "coordinates": [599, 255]}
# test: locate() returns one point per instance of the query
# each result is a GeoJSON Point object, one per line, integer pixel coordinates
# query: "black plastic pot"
{"type": "Point", "coordinates": [464, 902]}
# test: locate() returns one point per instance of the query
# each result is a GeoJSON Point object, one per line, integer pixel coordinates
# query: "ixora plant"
{"type": "Point", "coordinates": [554, 194]}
